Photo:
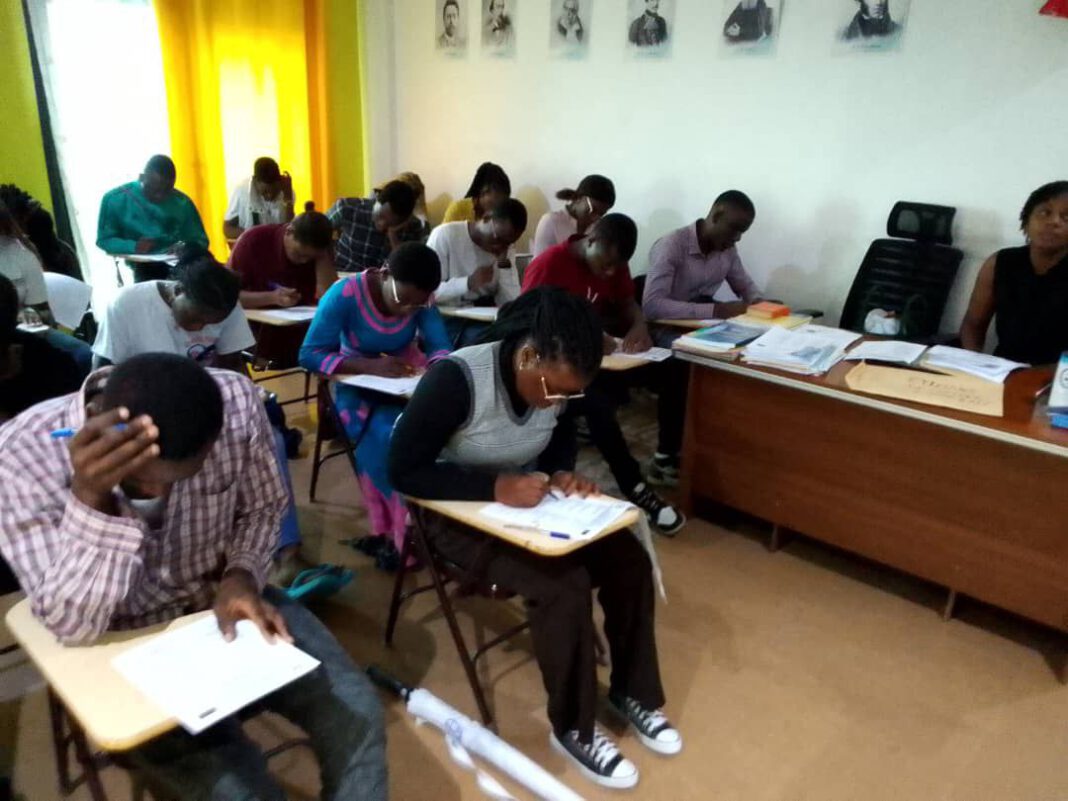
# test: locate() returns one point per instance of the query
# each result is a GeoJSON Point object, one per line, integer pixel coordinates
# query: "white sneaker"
{"type": "Point", "coordinates": [601, 761]}
{"type": "Point", "coordinates": [654, 729]}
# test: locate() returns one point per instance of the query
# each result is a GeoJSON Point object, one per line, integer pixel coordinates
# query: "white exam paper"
{"type": "Point", "coordinates": [887, 350]}
{"type": "Point", "coordinates": [574, 516]}
{"type": "Point", "coordinates": [297, 313]}
{"type": "Point", "coordinates": [402, 387]}
{"type": "Point", "coordinates": [193, 674]}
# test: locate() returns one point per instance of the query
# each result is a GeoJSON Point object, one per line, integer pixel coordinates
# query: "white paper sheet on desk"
{"type": "Point", "coordinates": [809, 350]}
{"type": "Point", "coordinates": [487, 313]}
{"type": "Point", "coordinates": [651, 355]}
{"type": "Point", "coordinates": [193, 674]}
{"type": "Point", "coordinates": [150, 258]}
{"type": "Point", "coordinates": [296, 313]}
{"type": "Point", "coordinates": [992, 368]}
{"type": "Point", "coordinates": [574, 516]}
{"type": "Point", "coordinates": [887, 350]}
{"type": "Point", "coordinates": [403, 387]}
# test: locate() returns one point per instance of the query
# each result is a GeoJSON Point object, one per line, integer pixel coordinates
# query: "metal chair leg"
{"type": "Point", "coordinates": [317, 461]}
{"type": "Point", "coordinates": [68, 734]}
{"type": "Point", "coordinates": [398, 588]}
{"type": "Point", "coordinates": [454, 626]}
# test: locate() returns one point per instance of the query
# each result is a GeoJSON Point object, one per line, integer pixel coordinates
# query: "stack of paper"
{"type": "Point", "coordinates": [809, 350]}
{"type": "Point", "coordinates": [402, 387]}
{"type": "Point", "coordinates": [298, 314]}
{"type": "Point", "coordinates": [571, 518]}
{"type": "Point", "coordinates": [720, 339]}
{"type": "Point", "coordinates": [893, 351]}
{"type": "Point", "coordinates": [195, 675]}
{"type": "Point", "coordinates": [992, 368]}
{"type": "Point", "coordinates": [651, 355]}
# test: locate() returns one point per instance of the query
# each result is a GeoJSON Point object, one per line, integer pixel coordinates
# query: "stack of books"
{"type": "Point", "coordinates": [1058, 396]}
{"type": "Point", "coordinates": [720, 341]}
{"type": "Point", "coordinates": [808, 350]}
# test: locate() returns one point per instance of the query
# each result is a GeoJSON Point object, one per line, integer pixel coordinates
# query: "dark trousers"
{"type": "Point", "coordinates": [600, 406]}
{"type": "Point", "coordinates": [558, 595]}
{"type": "Point", "coordinates": [151, 271]}
{"type": "Point", "coordinates": [336, 706]}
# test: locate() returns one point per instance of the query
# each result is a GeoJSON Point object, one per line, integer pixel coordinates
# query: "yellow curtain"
{"type": "Point", "coordinates": [245, 78]}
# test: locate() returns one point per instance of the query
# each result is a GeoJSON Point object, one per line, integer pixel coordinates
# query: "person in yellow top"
{"type": "Point", "coordinates": [489, 187]}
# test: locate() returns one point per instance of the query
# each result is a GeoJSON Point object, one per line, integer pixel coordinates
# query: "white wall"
{"type": "Point", "coordinates": [971, 112]}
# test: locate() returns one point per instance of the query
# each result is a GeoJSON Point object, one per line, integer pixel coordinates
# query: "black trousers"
{"type": "Point", "coordinates": [668, 379]}
{"type": "Point", "coordinates": [558, 595]}
{"type": "Point", "coordinates": [149, 272]}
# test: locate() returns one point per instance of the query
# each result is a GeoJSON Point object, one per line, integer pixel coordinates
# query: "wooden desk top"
{"type": "Point", "coordinates": [467, 512]}
{"type": "Point", "coordinates": [114, 713]}
{"type": "Point", "coordinates": [1024, 424]}
{"type": "Point", "coordinates": [264, 317]}
{"type": "Point", "coordinates": [480, 314]}
{"type": "Point", "coordinates": [617, 363]}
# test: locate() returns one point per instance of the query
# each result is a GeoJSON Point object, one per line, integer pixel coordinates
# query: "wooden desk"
{"type": "Point", "coordinates": [269, 317]}
{"type": "Point", "coordinates": [467, 512]}
{"type": "Point", "coordinates": [114, 714]}
{"type": "Point", "coordinates": [976, 504]}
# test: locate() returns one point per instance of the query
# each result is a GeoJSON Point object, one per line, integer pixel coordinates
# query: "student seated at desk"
{"type": "Point", "coordinates": [31, 370]}
{"type": "Point", "coordinates": [689, 265]}
{"type": "Point", "coordinates": [593, 199]}
{"type": "Point", "coordinates": [477, 424]}
{"type": "Point", "coordinates": [374, 323]}
{"type": "Point", "coordinates": [36, 223]}
{"type": "Point", "coordinates": [285, 264]}
{"type": "Point", "coordinates": [1025, 289]}
{"type": "Point", "coordinates": [149, 216]}
{"type": "Point", "coordinates": [594, 267]}
{"type": "Point", "coordinates": [417, 229]}
{"type": "Point", "coordinates": [475, 267]}
{"type": "Point", "coordinates": [488, 188]}
{"type": "Point", "coordinates": [20, 264]}
{"type": "Point", "coordinates": [364, 226]}
{"type": "Point", "coordinates": [119, 529]}
{"type": "Point", "coordinates": [264, 199]}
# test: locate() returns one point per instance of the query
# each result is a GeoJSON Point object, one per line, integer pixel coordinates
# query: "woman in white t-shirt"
{"type": "Point", "coordinates": [266, 197]}
{"type": "Point", "coordinates": [585, 206]}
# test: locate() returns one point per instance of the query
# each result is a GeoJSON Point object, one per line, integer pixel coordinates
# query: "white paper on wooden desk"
{"type": "Point", "coordinates": [193, 674]}
{"type": "Point", "coordinates": [298, 314]}
{"type": "Point", "coordinates": [574, 516]}
{"type": "Point", "coordinates": [886, 350]}
{"type": "Point", "coordinates": [149, 258]}
{"type": "Point", "coordinates": [486, 313]}
{"type": "Point", "coordinates": [403, 387]}
{"type": "Point", "coordinates": [651, 355]}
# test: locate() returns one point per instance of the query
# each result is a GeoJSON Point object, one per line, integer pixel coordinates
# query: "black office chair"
{"type": "Point", "coordinates": [910, 274]}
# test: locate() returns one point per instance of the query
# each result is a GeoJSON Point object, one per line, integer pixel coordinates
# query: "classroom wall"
{"type": "Point", "coordinates": [971, 112]}
{"type": "Point", "coordinates": [22, 159]}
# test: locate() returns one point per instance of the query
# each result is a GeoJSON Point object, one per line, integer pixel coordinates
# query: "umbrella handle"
{"type": "Point", "coordinates": [388, 682]}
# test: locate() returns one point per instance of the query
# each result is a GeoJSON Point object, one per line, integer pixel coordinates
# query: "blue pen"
{"type": "Point", "coordinates": [559, 535]}
{"type": "Point", "coordinates": [67, 433]}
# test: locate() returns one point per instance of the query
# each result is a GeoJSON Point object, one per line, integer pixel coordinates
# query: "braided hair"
{"type": "Point", "coordinates": [561, 327]}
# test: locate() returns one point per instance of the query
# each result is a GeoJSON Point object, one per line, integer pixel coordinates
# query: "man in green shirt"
{"type": "Point", "coordinates": [149, 216]}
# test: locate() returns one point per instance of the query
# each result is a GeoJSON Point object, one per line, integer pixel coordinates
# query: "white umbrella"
{"type": "Point", "coordinates": [465, 737]}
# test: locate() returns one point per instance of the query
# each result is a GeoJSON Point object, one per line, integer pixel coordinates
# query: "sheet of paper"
{"type": "Point", "coordinates": [193, 674]}
{"type": "Point", "coordinates": [150, 258]}
{"type": "Point", "coordinates": [33, 328]}
{"type": "Point", "coordinates": [294, 313]}
{"type": "Point", "coordinates": [575, 517]}
{"type": "Point", "coordinates": [486, 313]}
{"type": "Point", "coordinates": [887, 350]}
{"type": "Point", "coordinates": [809, 350]}
{"type": "Point", "coordinates": [992, 368]}
{"type": "Point", "coordinates": [651, 355]}
{"type": "Point", "coordinates": [403, 387]}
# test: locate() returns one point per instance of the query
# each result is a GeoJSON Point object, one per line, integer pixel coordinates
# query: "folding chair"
{"type": "Point", "coordinates": [330, 427]}
{"type": "Point", "coordinates": [442, 572]}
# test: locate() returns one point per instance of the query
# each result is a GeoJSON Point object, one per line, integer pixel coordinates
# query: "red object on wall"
{"type": "Point", "coordinates": [1056, 8]}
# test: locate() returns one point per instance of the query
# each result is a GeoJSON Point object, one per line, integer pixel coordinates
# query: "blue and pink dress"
{"type": "Point", "coordinates": [348, 324]}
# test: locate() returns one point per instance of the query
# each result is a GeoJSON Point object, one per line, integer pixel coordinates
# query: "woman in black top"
{"type": "Point", "coordinates": [1026, 288]}
{"type": "Point", "coordinates": [469, 433]}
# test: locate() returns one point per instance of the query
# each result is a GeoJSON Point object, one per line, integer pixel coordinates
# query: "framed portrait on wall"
{"type": "Point", "coordinates": [650, 26]}
{"type": "Point", "coordinates": [872, 24]}
{"type": "Point", "coordinates": [451, 27]}
{"type": "Point", "coordinates": [498, 27]}
{"type": "Point", "coordinates": [569, 27]}
{"type": "Point", "coordinates": [751, 26]}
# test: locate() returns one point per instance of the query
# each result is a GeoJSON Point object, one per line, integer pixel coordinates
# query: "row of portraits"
{"type": "Point", "coordinates": [748, 25]}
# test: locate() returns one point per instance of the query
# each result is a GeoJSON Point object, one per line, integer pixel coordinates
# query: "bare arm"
{"type": "Point", "coordinates": [325, 273]}
{"type": "Point", "coordinates": [231, 230]}
{"type": "Point", "coordinates": [980, 309]}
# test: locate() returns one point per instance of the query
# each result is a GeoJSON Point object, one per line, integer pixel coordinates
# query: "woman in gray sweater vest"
{"type": "Point", "coordinates": [479, 422]}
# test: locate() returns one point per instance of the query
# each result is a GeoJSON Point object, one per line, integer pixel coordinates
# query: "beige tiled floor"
{"type": "Point", "coordinates": [804, 674]}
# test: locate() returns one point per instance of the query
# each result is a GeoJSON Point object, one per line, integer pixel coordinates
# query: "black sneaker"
{"type": "Point", "coordinates": [600, 761]}
{"type": "Point", "coordinates": [667, 519]}
{"type": "Point", "coordinates": [663, 471]}
{"type": "Point", "coordinates": [654, 729]}
{"type": "Point", "coordinates": [388, 558]}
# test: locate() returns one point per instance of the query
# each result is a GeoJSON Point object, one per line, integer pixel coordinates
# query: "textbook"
{"type": "Point", "coordinates": [719, 339]}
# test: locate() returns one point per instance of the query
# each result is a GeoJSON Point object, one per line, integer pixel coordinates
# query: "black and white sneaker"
{"type": "Point", "coordinates": [654, 729]}
{"type": "Point", "coordinates": [601, 761]}
{"type": "Point", "coordinates": [663, 470]}
{"type": "Point", "coordinates": [667, 519]}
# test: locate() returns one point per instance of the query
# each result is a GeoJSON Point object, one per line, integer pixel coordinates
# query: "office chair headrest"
{"type": "Point", "coordinates": [922, 222]}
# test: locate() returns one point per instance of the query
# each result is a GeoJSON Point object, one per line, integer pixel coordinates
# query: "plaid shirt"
{"type": "Point", "coordinates": [86, 572]}
{"type": "Point", "coordinates": [360, 245]}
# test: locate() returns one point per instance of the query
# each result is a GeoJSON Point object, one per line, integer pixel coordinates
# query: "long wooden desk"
{"type": "Point", "coordinates": [976, 504]}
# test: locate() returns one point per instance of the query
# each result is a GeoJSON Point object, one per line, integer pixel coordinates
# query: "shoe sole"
{"type": "Point", "coordinates": [593, 776]}
{"type": "Point", "coordinates": [664, 749]}
{"type": "Point", "coordinates": [675, 529]}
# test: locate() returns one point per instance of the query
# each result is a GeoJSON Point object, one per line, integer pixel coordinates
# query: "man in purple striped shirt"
{"type": "Point", "coordinates": [688, 266]}
{"type": "Point", "coordinates": [154, 493]}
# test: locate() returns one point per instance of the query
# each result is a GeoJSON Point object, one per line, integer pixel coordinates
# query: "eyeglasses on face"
{"type": "Point", "coordinates": [397, 300]}
{"type": "Point", "coordinates": [559, 397]}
